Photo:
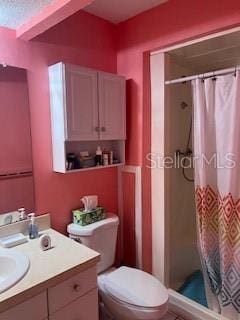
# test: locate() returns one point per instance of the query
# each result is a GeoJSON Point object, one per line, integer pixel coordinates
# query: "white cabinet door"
{"type": "Point", "coordinates": [32, 309]}
{"type": "Point", "coordinates": [112, 106]}
{"type": "Point", "coordinates": [71, 289]}
{"type": "Point", "coordinates": [84, 308]}
{"type": "Point", "coordinates": [81, 110]}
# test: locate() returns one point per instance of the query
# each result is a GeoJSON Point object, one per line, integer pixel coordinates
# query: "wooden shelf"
{"type": "Point", "coordinates": [93, 168]}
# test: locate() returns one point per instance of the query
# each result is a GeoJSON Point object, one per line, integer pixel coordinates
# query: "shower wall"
{"type": "Point", "coordinates": [183, 254]}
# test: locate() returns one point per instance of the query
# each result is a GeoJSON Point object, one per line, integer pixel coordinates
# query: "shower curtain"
{"type": "Point", "coordinates": [217, 188]}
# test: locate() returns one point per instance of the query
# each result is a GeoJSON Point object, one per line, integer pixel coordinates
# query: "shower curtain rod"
{"type": "Point", "coordinates": [204, 75]}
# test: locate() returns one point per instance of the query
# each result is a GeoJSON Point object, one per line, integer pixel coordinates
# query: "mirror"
{"type": "Point", "coordinates": [16, 170]}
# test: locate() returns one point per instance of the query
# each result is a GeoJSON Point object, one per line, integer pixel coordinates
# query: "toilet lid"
{"type": "Point", "coordinates": [136, 287]}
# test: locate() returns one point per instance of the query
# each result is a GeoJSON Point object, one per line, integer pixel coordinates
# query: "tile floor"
{"type": "Point", "coordinates": [172, 316]}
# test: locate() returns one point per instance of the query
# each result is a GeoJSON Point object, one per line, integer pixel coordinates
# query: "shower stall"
{"type": "Point", "coordinates": [183, 255]}
{"type": "Point", "coordinates": [172, 114]}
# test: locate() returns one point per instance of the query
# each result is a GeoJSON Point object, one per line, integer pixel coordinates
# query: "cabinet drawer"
{"type": "Point", "coordinates": [71, 289]}
{"type": "Point", "coordinates": [34, 308]}
{"type": "Point", "coordinates": [84, 308]}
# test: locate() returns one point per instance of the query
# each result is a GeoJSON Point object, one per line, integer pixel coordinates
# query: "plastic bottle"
{"type": "Point", "coordinates": [22, 214]}
{"type": "Point", "coordinates": [98, 156]}
{"type": "Point", "coordinates": [105, 158]}
{"type": "Point", "coordinates": [110, 157]}
{"type": "Point", "coordinates": [32, 228]}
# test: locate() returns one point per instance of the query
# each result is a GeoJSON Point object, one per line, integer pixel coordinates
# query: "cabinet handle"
{"type": "Point", "coordinates": [97, 129]}
{"type": "Point", "coordinates": [77, 287]}
{"type": "Point", "coordinates": [103, 129]}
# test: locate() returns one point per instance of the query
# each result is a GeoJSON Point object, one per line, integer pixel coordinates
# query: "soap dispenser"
{"type": "Point", "coordinates": [32, 228]}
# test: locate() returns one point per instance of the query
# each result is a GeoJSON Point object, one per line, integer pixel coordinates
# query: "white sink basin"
{"type": "Point", "coordinates": [13, 267]}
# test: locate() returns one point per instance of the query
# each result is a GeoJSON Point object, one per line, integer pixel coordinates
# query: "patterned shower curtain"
{"type": "Point", "coordinates": [217, 188]}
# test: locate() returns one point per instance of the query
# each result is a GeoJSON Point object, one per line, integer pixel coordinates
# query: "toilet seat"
{"type": "Point", "coordinates": [136, 288]}
{"type": "Point", "coordinates": [139, 308]}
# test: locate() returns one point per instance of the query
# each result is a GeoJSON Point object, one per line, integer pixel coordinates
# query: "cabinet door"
{"type": "Point", "coordinates": [81, 110]}
{"type": "Point", "coordinates": [32, 309]}
{"type": "Point", "coordinates": [84, 308]}
{"type": "Point", "coordinates": [112, 106]}
{"type": "Point", "coordinates": [69, 290]}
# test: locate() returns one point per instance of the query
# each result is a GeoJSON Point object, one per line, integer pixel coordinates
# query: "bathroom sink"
{"type": "Point", "coordinates": [13, 267]}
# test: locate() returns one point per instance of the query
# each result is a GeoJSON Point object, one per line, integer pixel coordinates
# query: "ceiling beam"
{"type": "Point", "coordinates": [49, 17]}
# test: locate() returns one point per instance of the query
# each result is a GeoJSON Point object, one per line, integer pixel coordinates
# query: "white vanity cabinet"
{"type": "Point", "coordinates": [83, 308]}
{"type": "Point", "coordinates": [74, 298]}
{"type": "Point", "coordinates": [35, 308]}
{"type": "Point", "coordinates": [66, 292]}
{"type": "Point", "coordinates": [86, 106]}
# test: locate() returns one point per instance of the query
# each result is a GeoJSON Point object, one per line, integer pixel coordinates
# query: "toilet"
{"type": "Point", "coordinates": [125, 293]}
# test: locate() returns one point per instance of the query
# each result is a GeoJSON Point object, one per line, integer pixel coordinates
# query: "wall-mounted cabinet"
{"type": "Point", "coordinates": [81, 105]}
{"type": "Point", "coordinates": [112, 106]}
{"type": "Point", "coordinates": [88, 107]}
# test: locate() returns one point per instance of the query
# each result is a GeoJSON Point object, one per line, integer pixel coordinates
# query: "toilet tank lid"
{"type": "Point", "coordinates": [90, 229]}
{"type": "Point", "coordinates": [136, 287]}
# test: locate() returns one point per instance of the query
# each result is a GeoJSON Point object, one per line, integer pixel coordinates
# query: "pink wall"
{"type": "Point", "coordinates": [81, 39]}
{"type": "Point", "coordinates": [167, 24]}
{"type": "Point", "coordinates": [90, 41]}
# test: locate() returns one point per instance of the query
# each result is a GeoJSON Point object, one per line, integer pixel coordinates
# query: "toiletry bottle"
{"type": "Point", "coordinates": [22, 214]}
{"type": "Point", "coordinates": [110, 157]}
{"type": "Point", "coordinates": [71, 161]}
{"type": "Point", "coordinates": [32, 228]}
{"type": "Point", "coordinates": [98, 157]}
{"type": "Point", "coordinates": [105, 158]}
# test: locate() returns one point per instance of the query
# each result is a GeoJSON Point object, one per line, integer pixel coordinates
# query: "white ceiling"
{"type": "Point", "coordinates": [209, 55]}
{"type": "Point", "coordinates": [14, 13]}
{"type": "Point", "coordinates": [120, 10]}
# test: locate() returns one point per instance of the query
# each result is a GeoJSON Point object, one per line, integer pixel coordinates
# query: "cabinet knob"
{"type": "Point", "coordinates": [97, 129]}
{"type": "Point", "coordinates": [103, 129]}
{"type": "Point", "coordinates": [77, 287]}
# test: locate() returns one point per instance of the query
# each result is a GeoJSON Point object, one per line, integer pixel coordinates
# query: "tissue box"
{"type": "Point", "coordinates": [84, 218]}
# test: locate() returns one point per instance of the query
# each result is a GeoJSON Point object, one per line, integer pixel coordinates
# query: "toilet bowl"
{"type": "Point", "coordinates": [131, 294]}
{"type": "Point", "coordinates": [126, 293]}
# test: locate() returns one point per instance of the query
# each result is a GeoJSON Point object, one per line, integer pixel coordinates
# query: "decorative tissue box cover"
{"type": "Point", "coordinates": [84, 218]}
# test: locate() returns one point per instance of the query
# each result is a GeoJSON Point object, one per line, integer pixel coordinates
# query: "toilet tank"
{"type": "Point", "coordinates": [100, 236]}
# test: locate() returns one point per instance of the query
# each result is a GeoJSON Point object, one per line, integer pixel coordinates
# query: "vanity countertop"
{"type": "Point", "coordinates": [47, 268]}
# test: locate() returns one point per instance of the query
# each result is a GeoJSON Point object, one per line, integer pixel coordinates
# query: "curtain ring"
{"type": "Point", "coordinates": [199, 77]}
{"type": "Point", "coordinates": [214, 76]}
{"type": "Point", "coordinates": [203, 77]}
{"type": "Point", "coordinates": [235, 72]}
